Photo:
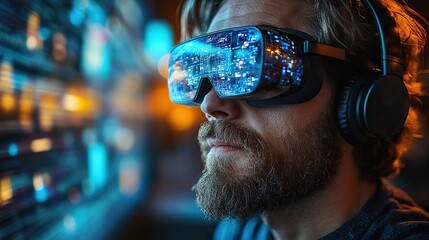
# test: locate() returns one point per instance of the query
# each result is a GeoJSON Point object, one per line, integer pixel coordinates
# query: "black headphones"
{"type": "Point", "coordinates": [375, 105]}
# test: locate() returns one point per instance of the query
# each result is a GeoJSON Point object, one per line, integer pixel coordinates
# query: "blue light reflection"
{"type": "Point", "coordinates": [97, 165]}
{"type": "Point", "coordinates": [158, 39]}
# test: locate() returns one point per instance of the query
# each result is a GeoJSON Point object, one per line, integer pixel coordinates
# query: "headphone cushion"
{"type": "Point", "coordinates": [343, 115]}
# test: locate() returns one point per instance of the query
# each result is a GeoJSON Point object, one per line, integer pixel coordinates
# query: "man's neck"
{"type": "Point", "coordinates": [326, 210]}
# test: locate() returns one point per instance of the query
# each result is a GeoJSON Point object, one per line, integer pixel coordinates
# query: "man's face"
{"type": "Point", "coordinates": [261, 158]}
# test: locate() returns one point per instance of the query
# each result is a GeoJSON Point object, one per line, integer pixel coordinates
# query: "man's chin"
{"type": "Point", "coordinates": [223, 197]}
{"type": "Point", "coordinates": [230, 166]}
{"type": "Point", "coordinates": [233, 185]}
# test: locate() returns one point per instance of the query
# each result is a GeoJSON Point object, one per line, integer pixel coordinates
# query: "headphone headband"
{"type": "Point", "coordinates": [391, 51]}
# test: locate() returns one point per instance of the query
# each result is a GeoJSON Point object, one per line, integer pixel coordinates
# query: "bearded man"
{"type": "Point", "coordinates": [310, 106]}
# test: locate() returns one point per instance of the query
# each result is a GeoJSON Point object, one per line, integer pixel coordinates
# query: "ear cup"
{"type": "Point", "coordinates": [372, 109]}
{"type": "Point", "coordinates": [384, 107]}
{"type": "Point", "coordinates": [346, 118]}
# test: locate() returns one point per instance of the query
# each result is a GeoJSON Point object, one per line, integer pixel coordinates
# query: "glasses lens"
{"type": "Point", "coordinates": [184, 74]}
{"type": "Point", "coordinates": [283, 66]}
{"type": "Point", "coordinates": [231, 60]}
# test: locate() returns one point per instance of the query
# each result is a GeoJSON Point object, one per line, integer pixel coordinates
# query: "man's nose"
{"type": "Point", "coordinates": [216, 108]}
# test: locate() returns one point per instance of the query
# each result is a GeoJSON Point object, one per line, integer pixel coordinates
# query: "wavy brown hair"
{"type": "Point", "coordinates": [344, 23]}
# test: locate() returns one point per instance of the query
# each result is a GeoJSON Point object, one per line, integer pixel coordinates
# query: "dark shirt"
{"type": "Point", "coordinates": [389, 214]}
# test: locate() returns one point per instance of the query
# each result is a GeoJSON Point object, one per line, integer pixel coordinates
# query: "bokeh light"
{"type": "Point", "coordinates": [158, 40]}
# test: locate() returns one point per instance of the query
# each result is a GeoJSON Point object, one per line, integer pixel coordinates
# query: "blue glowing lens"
{"type": "Point", "coordinates": [231, 60]}
{"type": "Point", "coordinates": [237, 62]}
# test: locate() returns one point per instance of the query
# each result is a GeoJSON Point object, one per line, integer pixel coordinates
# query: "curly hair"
{"type": "Point", "coordinates": [350, 31]}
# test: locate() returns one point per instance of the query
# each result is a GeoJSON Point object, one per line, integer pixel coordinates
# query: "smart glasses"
{"type": "Point", "coordinates": [260, 64]}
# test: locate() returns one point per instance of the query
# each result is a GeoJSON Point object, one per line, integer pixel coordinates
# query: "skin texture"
{"type": "Point", "coordinates": [311, 215]}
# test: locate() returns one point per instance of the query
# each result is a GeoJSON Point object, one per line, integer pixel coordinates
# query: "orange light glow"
{"type": "Point", "coordinates": [48, 110]}
{"type": "Point", "coordinates": [33, 39]}
{"type": "Point", "coordinates": [6, 73]}
{"type": "Point", "coordinates": [41, 145]}
{"type": "Point", "coordinates": [26, 100]}
{"type": "Point", "coordinates": [25, 121]}
{"type": "Point", "coordinates": [159, 101]}
{"type": "Point", "coordinates": [71, 103]}
{"type": "Point", "coordinates": [6, 192]}
{"type": "Point", "coordinates": [182, 118]}
{"type": "Point", "coordinates": [26, 107]}
{"type": "Point", "coordinates": [81, 101]}
{"type": "Point", "coordinates": [46, 121]}
{"type": "Point", "coordinates": [7, 101]}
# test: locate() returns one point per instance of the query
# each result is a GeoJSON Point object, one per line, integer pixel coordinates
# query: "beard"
{"type": "Point", "coordinates": [267, 178]}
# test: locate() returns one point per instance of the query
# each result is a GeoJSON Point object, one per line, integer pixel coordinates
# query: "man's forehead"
{"type": "Point", "coordinates": [279, 13]}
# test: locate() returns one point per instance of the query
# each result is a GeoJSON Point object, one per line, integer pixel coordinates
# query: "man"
{"type": "Point", "coordinates": [287, 159]}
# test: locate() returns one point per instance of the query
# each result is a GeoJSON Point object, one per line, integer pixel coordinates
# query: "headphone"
{"type": "Point", "coordinates": [374, 105]}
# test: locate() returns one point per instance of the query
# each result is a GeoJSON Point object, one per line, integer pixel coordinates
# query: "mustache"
{"type": "Point", "coordinates": [229, 132]}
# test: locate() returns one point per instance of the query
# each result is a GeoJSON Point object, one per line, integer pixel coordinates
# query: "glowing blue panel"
{"type": "Point", "coordinates": [96, 13]}
{"type": "Point", "coordinates": [41, 194]}
{"type": "Point", "coordinates": [76, 16]}
{"type": "Point", "coordinates": [13, 149]}
{"type": "Point", "coordinates": [44, 33]}
{"type": "Point", "coordinates": [158, 39]}
{"type": "Point", "coordinates": [97, 165]}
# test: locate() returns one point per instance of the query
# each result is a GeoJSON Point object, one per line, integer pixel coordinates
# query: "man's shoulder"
{"type": "Point", "coordinates": [389, 214]}
{"type": "Point", "coordinates": [401, 217]}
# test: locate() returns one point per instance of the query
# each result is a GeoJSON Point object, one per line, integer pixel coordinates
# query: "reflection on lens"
{"type": "Point", "coordinates": [283, 65]}
{"type": "Point", "coordinates": [231, 60]}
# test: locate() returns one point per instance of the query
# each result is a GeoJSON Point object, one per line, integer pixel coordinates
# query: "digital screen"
{"type": "Point", "coordinates": [66, 162]}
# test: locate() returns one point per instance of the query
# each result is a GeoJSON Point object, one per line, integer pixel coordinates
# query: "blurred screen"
{"type": "Point", "coordinates": [66, 159]}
